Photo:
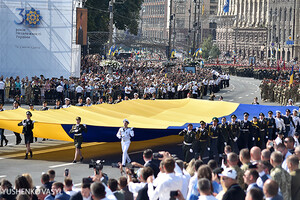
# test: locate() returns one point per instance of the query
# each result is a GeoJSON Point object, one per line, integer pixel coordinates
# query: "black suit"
{"type": "Point", "coordinates": [77, 196]}
{"type": "Point", "coordinates": [143, 193]}
{"type": "Point", "coordinates": [153, 166]}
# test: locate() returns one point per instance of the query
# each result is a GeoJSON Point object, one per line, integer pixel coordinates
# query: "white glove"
{"type": "Point", "coordinates": [132, 128]}
{"type": "Point", "coordinates": [225, 143]}
{"type": "Point", "coordinates": [84, 125]}
{"type": "Point", "coordinates": [267, 137]}
{"type": "Point", "coordinates": [24, 124]}
{"type": "Point", "coordinates": [235, 139]}
{"type": "Point", "coordinates": [191, 150]}
{"type": "Point", "coordinates": [185, 129]}
{"type": "Point", "coordinates": [253, 138]}
{"type": "Point", "coordinates": [208, 148]}
{"type": "Point", "coordinates": [76, 131]}
{"type": "Point", "coordinates": [197, 129]}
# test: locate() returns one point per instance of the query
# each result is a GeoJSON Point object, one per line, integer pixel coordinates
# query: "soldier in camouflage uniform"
{"type": "Point", "coordinates": [281, 176]}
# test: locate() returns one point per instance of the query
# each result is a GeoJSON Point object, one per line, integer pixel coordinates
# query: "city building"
{"type": "Point", "coordinates": [259, 28]}
{"type": "Point", "coordinates": [185, 26]}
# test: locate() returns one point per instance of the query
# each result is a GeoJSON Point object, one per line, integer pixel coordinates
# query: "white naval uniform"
{"type": "Point", "coordinates": [124, 134]}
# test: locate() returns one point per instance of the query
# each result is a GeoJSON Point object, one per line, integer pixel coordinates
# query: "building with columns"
{"type": "Point", "coordinates": [283, 26]}
{"type": "Point", "coordinates": [259, 28]}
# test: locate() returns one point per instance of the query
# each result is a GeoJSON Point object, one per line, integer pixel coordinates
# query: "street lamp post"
{"type": "Point", "coordinates": [170, 32]}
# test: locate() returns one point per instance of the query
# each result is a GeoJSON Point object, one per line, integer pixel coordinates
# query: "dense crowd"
{"type": "Point", "coordinates": [254, 174]}
{"type": "Point", "coordinates": [146, 79]}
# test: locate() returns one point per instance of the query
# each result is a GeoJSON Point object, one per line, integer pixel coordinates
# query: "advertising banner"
{"type": "Point", "coordinates": [81, 26]}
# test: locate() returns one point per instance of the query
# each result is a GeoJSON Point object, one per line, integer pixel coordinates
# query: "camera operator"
{"type": "Point", "coordinates": [170, 181]}
{"type": "Point", "coordinates": [134, 187]}
{"type": "Point", "coordinates": [98, 176]}
{"type": "Point", "coordinates": [148, 156]}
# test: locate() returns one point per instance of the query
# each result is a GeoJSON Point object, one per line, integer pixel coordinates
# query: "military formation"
{"type": "Point", "coordinates": [280, 91]}
{"type": "Point", "coordinates": [209, 140]}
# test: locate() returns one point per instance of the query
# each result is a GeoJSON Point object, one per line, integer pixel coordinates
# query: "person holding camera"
{"type": "Point", "coordinates": [77, 130]}
{"type": "Point", "coordinates": [125, 133]}
{"type": "Point", "coordinates": [27, 131]}
{"type": "Point", "coordinates": [148, 156]}
{"type": "Point", "coordinates": [168, 186]}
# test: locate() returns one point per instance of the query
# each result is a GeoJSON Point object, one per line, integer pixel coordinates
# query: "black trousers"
{"type": "Point", "coordinates": [3, 138]}
{"type": "Point", "coordinates": [18, 137]}
{"type": "Point", "coordinates": [2, 96]}
{"type": "Point", "coordinates": [187, 154]}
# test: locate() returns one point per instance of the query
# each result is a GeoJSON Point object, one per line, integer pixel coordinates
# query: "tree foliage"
{"type": "Point", "coordinates": [126, 15]}
{"type": "Point", "coordinates": [214, 52]}
{"type": "Point", "coordinates": [209, 49]}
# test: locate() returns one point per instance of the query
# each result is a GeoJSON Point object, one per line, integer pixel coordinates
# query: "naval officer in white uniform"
{"type": "Point", "coordinates": [125, 134]}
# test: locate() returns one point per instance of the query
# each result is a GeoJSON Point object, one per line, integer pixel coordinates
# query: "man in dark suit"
{"type": "Point", "coordinates": [147, 156]}
{"type": "Point", "coordinates": [271, 190]}
{"type": "Point", "coordinates": [45, 180]}
{"type": "Point", "coordinates": [143, 193]}
{"type": "Point", "coordinates": [250, 178]}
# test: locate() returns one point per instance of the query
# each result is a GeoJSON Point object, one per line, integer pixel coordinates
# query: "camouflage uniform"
{"type": "Point", "coordinates": [283, 179]}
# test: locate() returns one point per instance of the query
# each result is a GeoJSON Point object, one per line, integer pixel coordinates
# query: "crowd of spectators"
{"type": "Point", "coordinates": [145, 79]}
{"type": "Point", "coordinates": [254, 174]}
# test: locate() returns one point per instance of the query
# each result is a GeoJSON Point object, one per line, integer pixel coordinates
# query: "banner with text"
{"type": "Point", "coordinates": [36, 38]}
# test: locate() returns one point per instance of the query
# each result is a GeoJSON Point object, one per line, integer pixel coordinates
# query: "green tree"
{"type": "Point", "coordinates": [126, 15]}
{"type": "Point", "coordinates": [214, 52]}
{"type": "Point", "coordinates": [206, 47]}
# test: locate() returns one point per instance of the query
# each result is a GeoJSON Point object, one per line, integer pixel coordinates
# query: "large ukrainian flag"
{"type": "Point", "coordinates": [150, 119]}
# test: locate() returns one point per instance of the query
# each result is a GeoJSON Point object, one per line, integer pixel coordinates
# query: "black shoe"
{"type": "Point", "coordinates": [18, 142]}
{"type": "Point", "coordinates": [26, 156]}
{"type": "Point", "coordinates": [30, 154]}
{"type": "Point", "coordinates": [81, 159]}
{"type": "Point", "coordinates": [35, 139]}
{"type": "Point", "coordinates": [43, 139]}
{"type": "Point", "coordinates": [74, 161]}
{"type": "Point", "coordinates": [6, 141]}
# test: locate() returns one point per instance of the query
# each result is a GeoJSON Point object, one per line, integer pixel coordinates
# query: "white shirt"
{"type": "Point", "coordinates": [135, 187]}
{"type": "Point", "coordinates": [171, 182]}
{"type": "Point", "coordinates": [259, 181]}
{"type": "Point", "coordinates": [127, 90]}
{"type": "Point", "coordinates": [185, 183]}
{"type": "Point", "coordinates": [279, 123]}
{"type": "Point", "coordinates": [79, 89]}
{"type": "Point", "coordinates": [59, 88]}
{"type": "Point", "coordinates": [125, 134]}
{"type": "Point", "coordinates": [2, 85]}
{"type": "Point", "coordinates": [71, 193]}
{"type": "Point", "coordinates": [210, 197]}
{"type": "Point", "coordinates": [284, 163]}
{"type": "Point", "coordinates": [194, 88]}
{"type": "Point", "coordinates": [66, 106]}
{"type": "Point", "coordinates": [193, 181]}
{"type": "Point", "coordinates": [250, 186]}
{"type": "Point", "coordinates": [152, 90]}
